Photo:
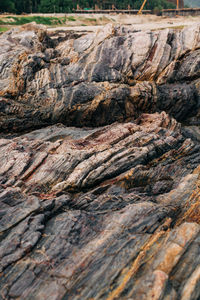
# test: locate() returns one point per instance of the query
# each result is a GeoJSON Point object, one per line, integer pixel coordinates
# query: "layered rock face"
{"type": "Point", "coordinates": [97, 79]}
{"type": "Point", "coordinates": [100, 165]}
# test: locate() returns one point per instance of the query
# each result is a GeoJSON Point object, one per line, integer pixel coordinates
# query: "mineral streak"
{"type": "Point", "coordinates": [110, 210]}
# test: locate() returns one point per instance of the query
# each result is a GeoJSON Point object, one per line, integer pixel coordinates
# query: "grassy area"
{"type": "Point", "coordinates": [3, 29]}
{"type": "Point", "coordinates": [28, 19]}
{"type": "Point", "coordinates": [50, 21]}
{"type": "Point", "coordinates": [71, 18]}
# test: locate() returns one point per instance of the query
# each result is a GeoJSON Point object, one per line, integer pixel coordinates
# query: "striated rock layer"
{"type": "Point", "coordinates": [108, 212]}
{"type": "Point", "coordinates": [97, 79]}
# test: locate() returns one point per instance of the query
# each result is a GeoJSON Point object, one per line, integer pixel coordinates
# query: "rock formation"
{"type": "Point", "coordinates": [97, 79]}
{"type": "Point", "coordinates": [100, 164]}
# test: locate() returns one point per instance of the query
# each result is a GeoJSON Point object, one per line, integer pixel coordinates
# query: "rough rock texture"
{"type": "Point", "coordinates": [97, 79]}
{"type": "Point", "coordinates": [110, 212]}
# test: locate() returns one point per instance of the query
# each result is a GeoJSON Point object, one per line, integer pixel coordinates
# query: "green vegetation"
{"type": "Point", "coordinates": [29, 19]}
{"type": "Point", "coordinates": [21, 20]}
{"type": "Point", "coordinates": [71, 18]}
{"type": "Point", "coordinates": [154, 5]}
{"type": "Point", "coordinates": [3, 29]}
{"type": "Point", "coordinates": [67, 6]}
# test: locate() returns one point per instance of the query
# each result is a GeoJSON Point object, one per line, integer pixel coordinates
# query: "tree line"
{"type": "Point", "coordinates": [67, 6]}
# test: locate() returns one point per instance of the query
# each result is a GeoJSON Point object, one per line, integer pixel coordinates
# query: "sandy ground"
{"type": "Point", "coordinates": [93, 22]}
{"type": "Point", "coordinates": [145, 22]}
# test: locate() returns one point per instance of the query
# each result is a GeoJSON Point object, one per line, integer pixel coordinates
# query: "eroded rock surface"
{"type": "Point", "coordinates": [109, 211]}
{"type": "Point", "coordinates": [97, 79]}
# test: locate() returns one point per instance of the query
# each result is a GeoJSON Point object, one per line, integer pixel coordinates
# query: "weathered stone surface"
{"type": "Point", "coordinates": [108, 212]}
{"type": "Point", "coordinates": [97, 79]}
{"type": "Point", "coordinates": [77, 164]}
{"type": "Point", "coordinates": [115, 236]}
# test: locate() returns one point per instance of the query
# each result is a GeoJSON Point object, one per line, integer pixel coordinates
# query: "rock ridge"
{"type": "Point", "coordinates": [97, 79]}
{"type": "Point", "coordinates": [100, 164]}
